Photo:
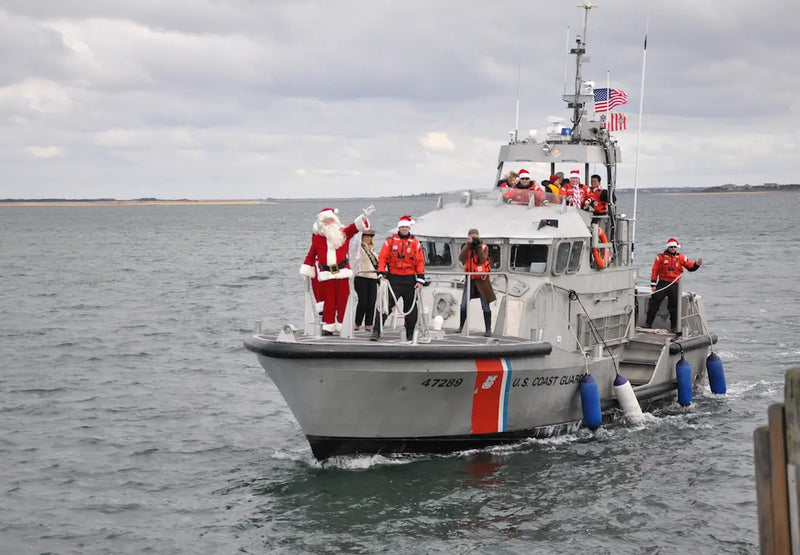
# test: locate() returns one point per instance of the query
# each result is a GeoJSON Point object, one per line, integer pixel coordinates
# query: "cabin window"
{"type": "Point", "coordinates": [437, 254]}
{"type": "Point", "coordinates": [568, 257]}
{"type": "Point", "coordinates": [562, 257]}
{"type": "Point", "coordinates": [531, 259]}
{"type": "Point", "coordinates": [574, 263]}
{"type": "Point", "coordinates": [494, 255]}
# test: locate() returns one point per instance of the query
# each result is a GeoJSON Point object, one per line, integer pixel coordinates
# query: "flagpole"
{"type": "Point", "coordinates": [516, 120]}
{"type": "Point", "coordinates": [607, 113]}
{"type": "Point", "coordinates": [639, 133]}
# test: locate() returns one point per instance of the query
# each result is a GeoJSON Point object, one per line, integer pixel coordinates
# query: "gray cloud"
{"type": "Point", "coordinates": [248, 99]}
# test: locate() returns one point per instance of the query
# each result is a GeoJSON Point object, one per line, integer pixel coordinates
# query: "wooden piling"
{"type": "Point", "coordinates": [777, 462]}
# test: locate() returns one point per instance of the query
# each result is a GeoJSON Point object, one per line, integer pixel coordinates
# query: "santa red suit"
{"type": "Point", "coordinates": [327, 262]}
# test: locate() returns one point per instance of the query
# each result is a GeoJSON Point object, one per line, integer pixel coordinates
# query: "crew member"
{"type": "Point", "coordinates": [475, 257]}
{"type": "Point", "coordinates": [402, 262]}
{"type": "Point", "coordinates": [598, 197]}
{"type": "Point", "coordinates": [667, 269]}
{"type": "Point", "coordinates": [327, 262]}
{"type": "Point", "coordinates": [521, 193]}
{"type": "Point", "coordinates": [575, 191]}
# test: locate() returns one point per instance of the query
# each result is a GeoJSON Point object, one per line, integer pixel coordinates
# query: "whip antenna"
{"type": "Point", "coordinates": [639, 133]}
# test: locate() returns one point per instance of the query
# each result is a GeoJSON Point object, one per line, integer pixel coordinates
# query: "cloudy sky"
{"type": "Point", "coordinates": [211, 99]}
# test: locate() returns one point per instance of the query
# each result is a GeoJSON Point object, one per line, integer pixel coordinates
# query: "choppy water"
{"type": "Point", "coordinates": [132, 420]}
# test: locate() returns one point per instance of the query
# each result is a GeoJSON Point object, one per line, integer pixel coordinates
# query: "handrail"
{"type": "Point", "coordinates": [501, 309]}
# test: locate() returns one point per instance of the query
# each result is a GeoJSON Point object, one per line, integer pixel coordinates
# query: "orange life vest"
{"type": "Point", "coordinates": [600, 206]}
{"type": "Point", "coordinates": [472, 265]}
{"type": "Point", "coordinates": [402, 257]}
{"type": "Point", "coordinates": [669, 267]}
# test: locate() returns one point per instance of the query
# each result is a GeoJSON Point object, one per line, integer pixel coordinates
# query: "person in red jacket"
{"type": "Point", "coordinates": [667, 269]}
{"type": "Point", "coordinates": [327, 262]}
{"type": "Point", "coordinates": [402, 262]}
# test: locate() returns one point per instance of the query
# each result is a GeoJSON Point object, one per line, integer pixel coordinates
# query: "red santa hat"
{"type": "Point", "coordinates": [523, 174]}
{"type": "Point", "coordinates": [405, 221]}
{"type": "Point", "coordinates": [672, 242]}
{"type": "Point", "coordinates": [327, 213]}
{"type": "Point", "coordinates": [576, 174]}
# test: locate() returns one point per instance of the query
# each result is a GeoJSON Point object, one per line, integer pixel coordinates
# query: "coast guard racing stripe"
{"type": "Point", "coordinates": [490, 396]}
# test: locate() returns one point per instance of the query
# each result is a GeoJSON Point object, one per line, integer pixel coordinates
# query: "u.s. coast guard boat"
{"type": "Point", "coordinates": [567, 305]}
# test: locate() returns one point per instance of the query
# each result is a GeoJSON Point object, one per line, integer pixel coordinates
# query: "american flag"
{"type": "Point", "coordinates": [603, 101]}
{"type": "Point", "coordinates": [616, 122]}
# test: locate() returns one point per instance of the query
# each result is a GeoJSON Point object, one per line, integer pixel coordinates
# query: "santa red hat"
{"type": "Point", "coordinates": [405, 221]}
{"type": "Point", "coordinates": [327, 213]}
{"type": "Point", "coordinates": [672, 242]}
{"type": "Point", "coordinates": [524, 174]}
{"type": "Point", "coordinates": [576, 174]}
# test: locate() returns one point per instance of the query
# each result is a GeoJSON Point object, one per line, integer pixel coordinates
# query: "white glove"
{"type": "Point", "coordinates": [369, 210]}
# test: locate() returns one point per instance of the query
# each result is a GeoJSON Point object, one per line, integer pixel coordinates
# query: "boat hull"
{"type": "Point", "coordinates": [413, 399]}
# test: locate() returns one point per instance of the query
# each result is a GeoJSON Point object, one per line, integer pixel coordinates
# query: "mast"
{"type": "Point", "coordinates": [577, 103]}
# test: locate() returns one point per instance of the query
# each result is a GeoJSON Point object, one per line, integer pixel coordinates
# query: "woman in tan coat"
{"type": "Point", "coordinates": [366, 280]}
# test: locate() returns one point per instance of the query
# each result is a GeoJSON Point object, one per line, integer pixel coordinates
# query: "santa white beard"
{"type": "Point", "coordinates": [333, 232]}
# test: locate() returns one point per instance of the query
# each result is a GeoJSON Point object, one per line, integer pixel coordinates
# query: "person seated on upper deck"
{"type": "Point", "coordinates": [598, 197]}
{"type": "Point", "coordinates": [574, 190]}
{"type": "Point", "coordinates": [554, 184]}
{"type": "Point", "coordinates": [526, 187]}
{"type": "Point", "coordinates": [566, 190]}
{"type": "Point", "coordinates": [521, 193]}
{"type": "Point", "coordinates": [510, 180]}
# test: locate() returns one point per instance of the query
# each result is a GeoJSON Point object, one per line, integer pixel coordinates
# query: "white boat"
{"type": "Point", "coordinates": [558, 317]}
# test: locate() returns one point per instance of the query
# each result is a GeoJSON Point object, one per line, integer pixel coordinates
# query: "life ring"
{"type": "Point", "coordinates": [601, 261]}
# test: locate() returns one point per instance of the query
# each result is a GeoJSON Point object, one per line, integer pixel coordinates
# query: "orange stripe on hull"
{"type": "Point", "coordinates": [488, 397]}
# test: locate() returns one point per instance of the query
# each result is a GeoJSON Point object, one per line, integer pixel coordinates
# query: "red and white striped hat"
{"type": "Point", "coordinates": [672, 242]}
{"type": "Point", "coordinates": [576, 174]}
{"type": "Point", "coordinates": [524, 174]}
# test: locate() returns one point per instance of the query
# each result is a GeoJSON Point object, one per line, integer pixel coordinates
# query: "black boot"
{"type": "Point", "coordinates": [463, 319]}
{"type": "Point", "coordinates": [380, 321]}
{"type": "Point", "coordinates": [487, 321]}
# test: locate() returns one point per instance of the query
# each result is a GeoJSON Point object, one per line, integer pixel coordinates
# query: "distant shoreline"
{"type": "Point", "coordinates": [721, 190]}
{"type": "Point", "coordinates": [183, 202]}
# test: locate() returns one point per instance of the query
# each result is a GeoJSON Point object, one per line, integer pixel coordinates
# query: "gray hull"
{"type": "Point", "coordinates": [395, 398]}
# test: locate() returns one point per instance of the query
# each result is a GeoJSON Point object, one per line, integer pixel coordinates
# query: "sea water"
{"type": "Point", "coordinates": [132, 420]}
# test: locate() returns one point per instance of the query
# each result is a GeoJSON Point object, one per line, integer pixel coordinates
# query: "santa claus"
{"type": "Point", "coordinates": [327, 262]}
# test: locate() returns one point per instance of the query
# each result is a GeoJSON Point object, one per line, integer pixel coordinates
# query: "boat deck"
{"type": "Point", "coordinates": [393, 345]}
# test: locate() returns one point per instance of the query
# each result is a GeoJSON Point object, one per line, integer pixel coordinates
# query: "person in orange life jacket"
{"type": "Point", "coordinates": [521, 193]}
{"type": "Point", "coordinates": [509, 181]}
{"type": "Point", "coordinates": [667, 269]}
{"type": "Point", "coordinates": [402, 263]}
{"type": "Point", "coordinates": [574, 190]}
{"type": "Point", "coordinates": [327, 262]}
{"type": "Point", "coordinates": [566, 190]}
{"type": "Point", "coordinates": [475, 257]}
{"type": "Point", "coordinates": [598, 197]}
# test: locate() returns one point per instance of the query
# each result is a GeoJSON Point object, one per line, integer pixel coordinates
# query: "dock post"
{"type": "Point", "coordinates": [777, 472]}
{"type": "Point", "coordinates": [792, 402]}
